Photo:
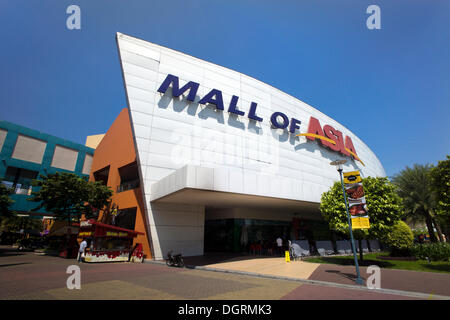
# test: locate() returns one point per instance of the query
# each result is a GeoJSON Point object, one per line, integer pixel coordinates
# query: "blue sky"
{"type": "Point", "coordinates": [391, 87]}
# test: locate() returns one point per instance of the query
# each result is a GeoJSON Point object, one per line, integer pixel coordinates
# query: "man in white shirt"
{"type": "Point", "coordinates": [83, 246]}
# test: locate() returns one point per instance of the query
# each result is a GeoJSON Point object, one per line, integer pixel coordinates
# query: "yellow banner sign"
{"type": "Point", "coordinates": [352, 177]}
{"type": "Point", "coordinates": [360, 223]}
{"type": "Point", "coordinates": [357, 206]}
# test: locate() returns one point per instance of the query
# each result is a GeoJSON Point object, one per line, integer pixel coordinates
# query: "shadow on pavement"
{"type": "Point", "coordinates": [350, 262]}
{"type": "Point", "coordinates": [13, 264]}
{"type": "Point", "coordinates": [11, 254]}
{"type": "Point", "coordinates": [9, 251]}
{"type": "Point", "coordinates": [349, 276]}
{"type": "Point", "coordinates": [441, 267]}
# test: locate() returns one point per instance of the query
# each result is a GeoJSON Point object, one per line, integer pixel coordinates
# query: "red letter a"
{"type": "Point", "coordinates": [314, 128]}
{"type": "Point", "coordinates": [349, 145]}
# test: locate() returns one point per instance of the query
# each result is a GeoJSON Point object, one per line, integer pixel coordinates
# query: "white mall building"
{"type": "Point", "coordinates": [219, 159]}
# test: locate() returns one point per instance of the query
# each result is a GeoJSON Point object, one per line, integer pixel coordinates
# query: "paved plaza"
{"type": "Point", "coordinates": [27, 275]}
{"type": "Point", "coordinates": [427, 283]}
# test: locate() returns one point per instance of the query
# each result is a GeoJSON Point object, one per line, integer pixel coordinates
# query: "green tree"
{"type": "Point", "coordinates": [440, 185]}
{"type": "Point", "coordinates": [399, 239]}
{"type": "Point", "coordinates": [97, 197]}
{"type": "Point", "coordinates": [15, 223]}
{"type": "Point", "coordinates": [69, 196]}
{"type": "Point", "coordinates": [414, 187]}
{"type": "Point", "coordinates": [383, 203]}
{"type": "Point", "coordinates": [5, 201]}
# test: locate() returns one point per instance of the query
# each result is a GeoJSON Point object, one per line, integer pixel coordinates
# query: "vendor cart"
{"type": "Point", "coordinates": [107, 243]}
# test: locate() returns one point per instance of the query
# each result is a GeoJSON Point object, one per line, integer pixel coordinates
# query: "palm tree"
{"type": "Point", "coordinates": [413, 186]}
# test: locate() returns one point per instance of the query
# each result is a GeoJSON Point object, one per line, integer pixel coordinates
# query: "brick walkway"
{"type": "Point", "coordinates": [31, 276]}
{"type": "Point", "coordinates": [428, 283]}
{"type": "Point", "coordinates": [425, 282]}
{"type": "Point", "coordinates": [315, 292]}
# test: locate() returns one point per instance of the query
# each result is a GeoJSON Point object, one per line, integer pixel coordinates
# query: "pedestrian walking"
{"type": "Point", "coordinates": [83, 246]}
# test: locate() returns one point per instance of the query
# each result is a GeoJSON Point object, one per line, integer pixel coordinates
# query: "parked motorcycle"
{"type": "Point", "coordinates": [174, 260]}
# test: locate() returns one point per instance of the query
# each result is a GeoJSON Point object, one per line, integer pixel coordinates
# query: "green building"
{"type": "Point", "coordinates": [25, 154]}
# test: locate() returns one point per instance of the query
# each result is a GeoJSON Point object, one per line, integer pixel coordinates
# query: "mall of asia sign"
{"type": "Point", "coordinates": [328, 136]}
{"type": "Point", "coordinates": [331, 138]}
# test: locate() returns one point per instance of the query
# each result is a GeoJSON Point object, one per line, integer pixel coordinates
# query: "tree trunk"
{"type": "Point", "coordinates": [368, 245]}
{"type": "Point", "coordinates": [429, 222]}
{"type": "Point", "coordinates": [438, 229]}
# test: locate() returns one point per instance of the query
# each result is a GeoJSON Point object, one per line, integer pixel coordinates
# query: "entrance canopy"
{"type": "Point", "coordinates": [196, 186]}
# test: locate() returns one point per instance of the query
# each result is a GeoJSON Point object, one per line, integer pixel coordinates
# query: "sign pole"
{"type": "Point", "coordinates": [359, 280]}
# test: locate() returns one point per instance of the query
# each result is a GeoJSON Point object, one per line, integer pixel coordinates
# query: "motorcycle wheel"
{"type": "Point", "coordinates": [180, 262]}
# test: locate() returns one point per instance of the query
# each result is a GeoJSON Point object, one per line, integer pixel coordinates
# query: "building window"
{"type": "Point", "coordinates": [29, 149]}
{"type": "Point", "coordinates": [3, 134]}
{"type": "Point", "coordinates": [64, 158]}
{"type": "Point", "coordinates": [102, 175]}
{"type": "Point", "coordinates": [87, 164]}
{"type": "Point", "coordinates": [19, 180]}
{"type": "Point", "coordinates": [125, 218]}
{"type": "Point", "coordinates": [129, 177]}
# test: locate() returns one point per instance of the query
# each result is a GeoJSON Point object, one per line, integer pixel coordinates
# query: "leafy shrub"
{"type": "Point", "coordinates": [399, 239]}
{"type": "Point", "coordinates": [439, 251]}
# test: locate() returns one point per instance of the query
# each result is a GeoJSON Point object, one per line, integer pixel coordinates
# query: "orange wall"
{"type": "Point", "coordinates": [117, 150]}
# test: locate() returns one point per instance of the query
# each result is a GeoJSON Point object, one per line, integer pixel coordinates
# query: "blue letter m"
{"type": "Point", "coordinates": [176, 91]}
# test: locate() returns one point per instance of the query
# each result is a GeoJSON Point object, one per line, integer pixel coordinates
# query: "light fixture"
{"type": "Point", "coordinates": [339, 166]}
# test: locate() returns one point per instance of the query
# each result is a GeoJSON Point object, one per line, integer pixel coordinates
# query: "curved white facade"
{"type": "Point", "coordinates": [187, 145]}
